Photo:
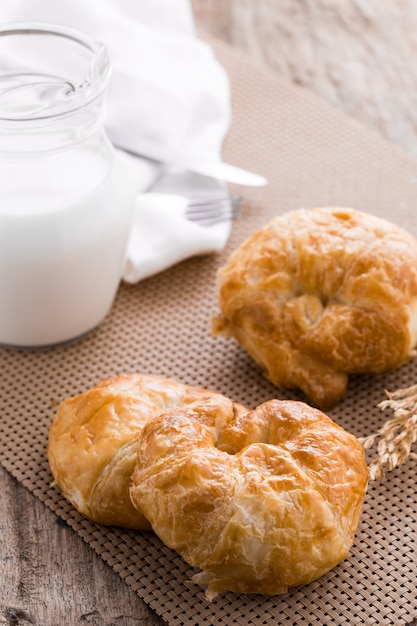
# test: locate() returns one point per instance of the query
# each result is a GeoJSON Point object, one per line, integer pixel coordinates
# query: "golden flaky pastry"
{"type": "Point", "coordinates": [319, 294]}
{"type": "Point", "coordinates": [93, 440]}
{"type": "Point", "coordinates": [269, 501]}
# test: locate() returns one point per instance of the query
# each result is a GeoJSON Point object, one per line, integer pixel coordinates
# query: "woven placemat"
{"type": "Point", "coordinates": [312, 155]}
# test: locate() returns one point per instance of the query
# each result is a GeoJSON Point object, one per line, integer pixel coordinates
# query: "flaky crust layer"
{"type": "Point", "coordinates": [269, 501]}
{"type": "Point", "coordinates": [93, 440]}
{"type": "Point", "coordinates": [319, 294]}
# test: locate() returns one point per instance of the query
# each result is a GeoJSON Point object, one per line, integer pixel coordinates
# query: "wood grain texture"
{"type": "Point", "coordinates": [50, 577]}
{"type": "Point", "coordinates": [361, 57]}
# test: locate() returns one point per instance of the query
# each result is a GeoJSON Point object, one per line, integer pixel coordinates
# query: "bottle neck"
{"type": "Point", "coordinates": [21, 137]}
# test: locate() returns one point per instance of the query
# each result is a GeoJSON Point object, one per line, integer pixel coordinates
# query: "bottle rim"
{"type": "Point", "coordinates": [94, 83]}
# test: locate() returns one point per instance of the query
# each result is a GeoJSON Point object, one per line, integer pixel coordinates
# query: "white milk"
{"type": "Point", "coordinates": [66, 196]}
{"type": "Point", "coordinates": [62, 243]}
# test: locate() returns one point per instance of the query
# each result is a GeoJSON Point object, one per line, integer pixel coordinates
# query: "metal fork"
{"type": "Point", "coordinates": [209, 211]}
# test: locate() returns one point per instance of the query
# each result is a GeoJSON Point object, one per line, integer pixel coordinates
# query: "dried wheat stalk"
{"type": "Point", "coordinates": [397, 435]}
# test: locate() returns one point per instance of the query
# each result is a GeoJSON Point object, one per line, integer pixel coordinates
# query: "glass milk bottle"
{"type": "Point", "coordinates": [66, 196]}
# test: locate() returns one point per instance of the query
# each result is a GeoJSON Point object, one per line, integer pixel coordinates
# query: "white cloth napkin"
{"type": "Point", "coordinates": [166, 86]}
{"type": "Point", "coordinates": [162, 235]}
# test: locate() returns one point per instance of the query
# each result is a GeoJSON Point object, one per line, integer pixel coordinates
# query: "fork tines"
{"type": "Point", "coordinates": [209, 211]}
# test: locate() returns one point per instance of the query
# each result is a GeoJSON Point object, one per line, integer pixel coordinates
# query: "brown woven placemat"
{"type": "Point", "coordinates": [312, 155]}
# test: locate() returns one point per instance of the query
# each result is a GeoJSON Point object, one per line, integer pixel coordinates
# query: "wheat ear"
{"type": "Point", "coordinates": [397, 435]}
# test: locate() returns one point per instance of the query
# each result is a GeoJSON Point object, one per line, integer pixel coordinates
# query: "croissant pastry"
{"type": "Point", "coordinates": [268, 500]}
{"type": "Point", "coordinates": [319, 294]}
{"type": "Point", "coordinates": [94, 436]}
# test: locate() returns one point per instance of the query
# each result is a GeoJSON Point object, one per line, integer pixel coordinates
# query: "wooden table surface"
{"type": "Point", "coordinates": [362, 58]}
